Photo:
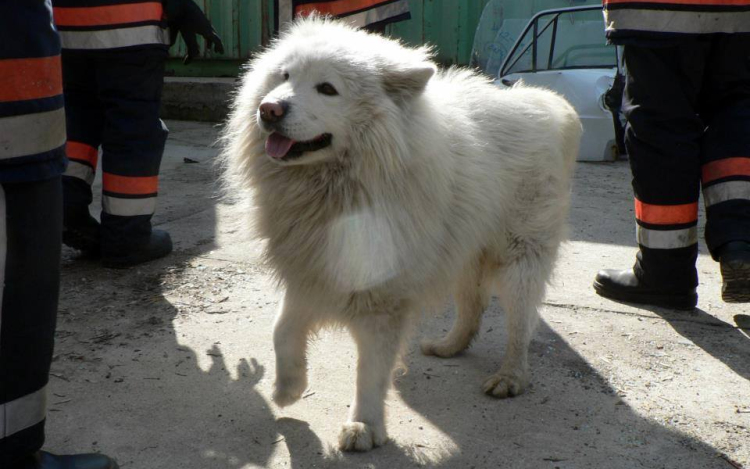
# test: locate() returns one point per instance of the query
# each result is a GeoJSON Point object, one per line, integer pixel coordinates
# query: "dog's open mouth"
{"type": "Point", "coordinates": [284, 148]}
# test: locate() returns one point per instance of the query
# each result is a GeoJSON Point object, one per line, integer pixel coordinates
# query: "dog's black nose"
{"type": "Point", "coordinates": [272, 111]}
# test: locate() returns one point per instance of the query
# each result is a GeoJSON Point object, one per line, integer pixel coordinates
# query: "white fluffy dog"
{"type": "Point", "coordinates": [380, 185]}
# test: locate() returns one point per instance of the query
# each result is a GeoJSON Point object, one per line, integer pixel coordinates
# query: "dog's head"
{"type": "Point", "coordinates": [323, 88]}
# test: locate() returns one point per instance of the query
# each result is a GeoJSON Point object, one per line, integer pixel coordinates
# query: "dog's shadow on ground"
{"type": "Point", "coordinates": [485, 432]}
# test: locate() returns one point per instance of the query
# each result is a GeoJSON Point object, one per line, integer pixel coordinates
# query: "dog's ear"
{"type": "Point", "coordinates": [405, 82]}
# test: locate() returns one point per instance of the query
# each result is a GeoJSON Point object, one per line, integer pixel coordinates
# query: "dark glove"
{"type": "Point", "coordinates": [184, 17]}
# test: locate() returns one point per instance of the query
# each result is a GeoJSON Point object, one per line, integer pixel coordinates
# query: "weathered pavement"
{"type": "Point", "coordinates": [170, 365]}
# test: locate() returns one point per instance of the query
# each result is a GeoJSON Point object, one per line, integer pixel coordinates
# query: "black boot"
{"type": "Point", "coordinates": [624, 285]}
{"type": "Point", "coordinates": [158, 245]}
{"type": "Point", "coordinates": [735, 272]}
{"type": "Point", "coordinates": [81, 231]}
{"type": "Point", "coordinates": [45, 460]}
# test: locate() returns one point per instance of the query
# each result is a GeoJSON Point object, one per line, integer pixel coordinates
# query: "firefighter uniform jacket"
{"type": "Point", "coordinates": [627, 18]}
{"type": "Point", "coordinates": [110, 24]}
{"type": "Point", "coordinates": [31, 94]}
{"type": "Point", "coordinates": [358, 13]}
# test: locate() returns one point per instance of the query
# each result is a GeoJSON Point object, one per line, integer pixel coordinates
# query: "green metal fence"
{"type": "Point", "coordinates": [246, 25]}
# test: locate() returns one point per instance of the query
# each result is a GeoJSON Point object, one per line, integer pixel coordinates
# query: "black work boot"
{"type": "Point", "coordinates": [81, 231]}
{"type": "Point", "coordinates": [734, 258]}
{"type": "Point", "coordinates": [624, 285]}
{"type": "Point", "coordinates": [158, 245]}
{"type": "Point", "coordinates": [45, 460]}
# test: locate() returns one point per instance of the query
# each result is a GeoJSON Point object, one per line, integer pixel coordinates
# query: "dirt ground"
{"type": "Point", "coordinates": [170, 364]}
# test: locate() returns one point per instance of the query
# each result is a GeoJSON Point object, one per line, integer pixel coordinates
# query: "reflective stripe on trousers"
{"type": "Point", "coordinates": [726, 191]}
{"type": "Point", "coordinates": [667, 239]}
{"type": "Point", "coordinates": [726, 179]}
{"type": "Point", "coordinates": [126, 207]}
{"type": "Point", "coordinates": [83, 160]}
{"type": "Point", "coordinates": [23, 412]}
{"type": "Point", "coordinates": [666, 226]}
{"type": "Point", "coordinates": [80, 171]}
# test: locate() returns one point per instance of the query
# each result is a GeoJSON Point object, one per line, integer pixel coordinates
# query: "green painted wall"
{"type": "Point", "coordinates": [245, 25]}
{"type": "Point", "coordinates": [447, 24]}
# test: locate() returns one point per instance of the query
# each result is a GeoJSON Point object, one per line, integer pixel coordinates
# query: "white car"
{"type": "Point", "coordinates": [565, 50]}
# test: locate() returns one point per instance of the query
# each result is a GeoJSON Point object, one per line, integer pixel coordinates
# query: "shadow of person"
{"type": "Point", "coordinates": [125, 385]}
{"type": "Point", "coordinates": [723, 341]}
{"type": "Point", "coordinates": [218, 419]}
{"type": "Point", "coordinates": [126, 380]}
{"type": "Point", "coordinates": [743, 323]}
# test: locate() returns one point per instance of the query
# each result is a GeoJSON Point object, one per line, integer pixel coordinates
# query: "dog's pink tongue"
{"type": "Point", "coordinates": [277, 146]}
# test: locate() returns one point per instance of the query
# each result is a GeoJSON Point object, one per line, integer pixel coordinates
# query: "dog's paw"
{"type": "Point", "coordinates": [439, 348]}
{"type": "Point", "coordinates": [287, 391]}
{"type": "Point", "coordinates": [503, 384]}
{"type": "Point", "coordinates": [358, 436]}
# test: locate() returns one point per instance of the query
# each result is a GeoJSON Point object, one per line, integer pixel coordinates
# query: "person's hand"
{"type": "Point", "coordinates": [184, 17]}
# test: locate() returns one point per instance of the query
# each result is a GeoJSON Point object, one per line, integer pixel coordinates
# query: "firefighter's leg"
{"type": "Point", "coordinates": [133, 141]}
{"type": "Point", "coordinates": [30, 228]}
{"type": "Point", "coordinates": [84, 119]}
{"type": "Point", "coordinates": [663, 136]}
{"type": "Point", "coordinates": [726, 163]}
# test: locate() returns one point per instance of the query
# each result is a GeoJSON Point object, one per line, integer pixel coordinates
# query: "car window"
{"type": "Point", "coordinates": [562, 40]}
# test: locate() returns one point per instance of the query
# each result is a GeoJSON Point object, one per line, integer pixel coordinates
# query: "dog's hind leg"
{"type": "Point", "coordinates": [521, 292]}
{"type": "Point", "coordinates": [290, 334]}
{"type": "Point", "coordinates": [379, 338]}
{"type": "Point", "coordinates": [472, 295]}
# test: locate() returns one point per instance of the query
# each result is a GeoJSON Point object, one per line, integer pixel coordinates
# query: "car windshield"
{"type": "Point", "coordinates": [558, 39]}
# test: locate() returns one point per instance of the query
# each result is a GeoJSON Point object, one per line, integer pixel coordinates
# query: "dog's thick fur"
{"type": "Point", "coordinates": [433, 182]}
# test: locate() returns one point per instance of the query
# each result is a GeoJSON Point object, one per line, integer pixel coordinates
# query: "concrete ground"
{"type": "Point", "coordinates": [170, 365]}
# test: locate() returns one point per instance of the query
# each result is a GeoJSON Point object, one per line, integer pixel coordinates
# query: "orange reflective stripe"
{"type": "Point", "coordinates": [130, 185]}
{"type": "Point", "coordinates": [82, 152]}
{"type": "Point", "coordinates": [22, 79]}
{"type": "Point", "coordinates": [107, 15]}
{"type": "Point", "coordinates": [686, 2]}
{"type": "Point", "coordinates": [738, 166]}
{"type": "Point", "coordinates": [666, 214]}
{"type": "Point", "coordinates": [335, 8]}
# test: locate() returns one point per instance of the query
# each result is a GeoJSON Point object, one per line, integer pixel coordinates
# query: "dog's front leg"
{"type": "Point", "coordinates": [379, 338]}
{"type": "Point", "coordinates": [290, 333]}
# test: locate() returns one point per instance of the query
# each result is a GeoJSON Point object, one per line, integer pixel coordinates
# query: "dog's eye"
{"type": "Point", "coordinates": [326, 89]}
{"type": "Point", "coordinates": [286, 75]}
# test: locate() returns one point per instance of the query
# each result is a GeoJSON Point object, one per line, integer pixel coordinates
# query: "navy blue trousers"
{"type": "Point", "coordinates": [687, 105]}
{"type": "Point", "coordinates": [112, 101]}
{"type": "Point", "coordinates": [30, 240]}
